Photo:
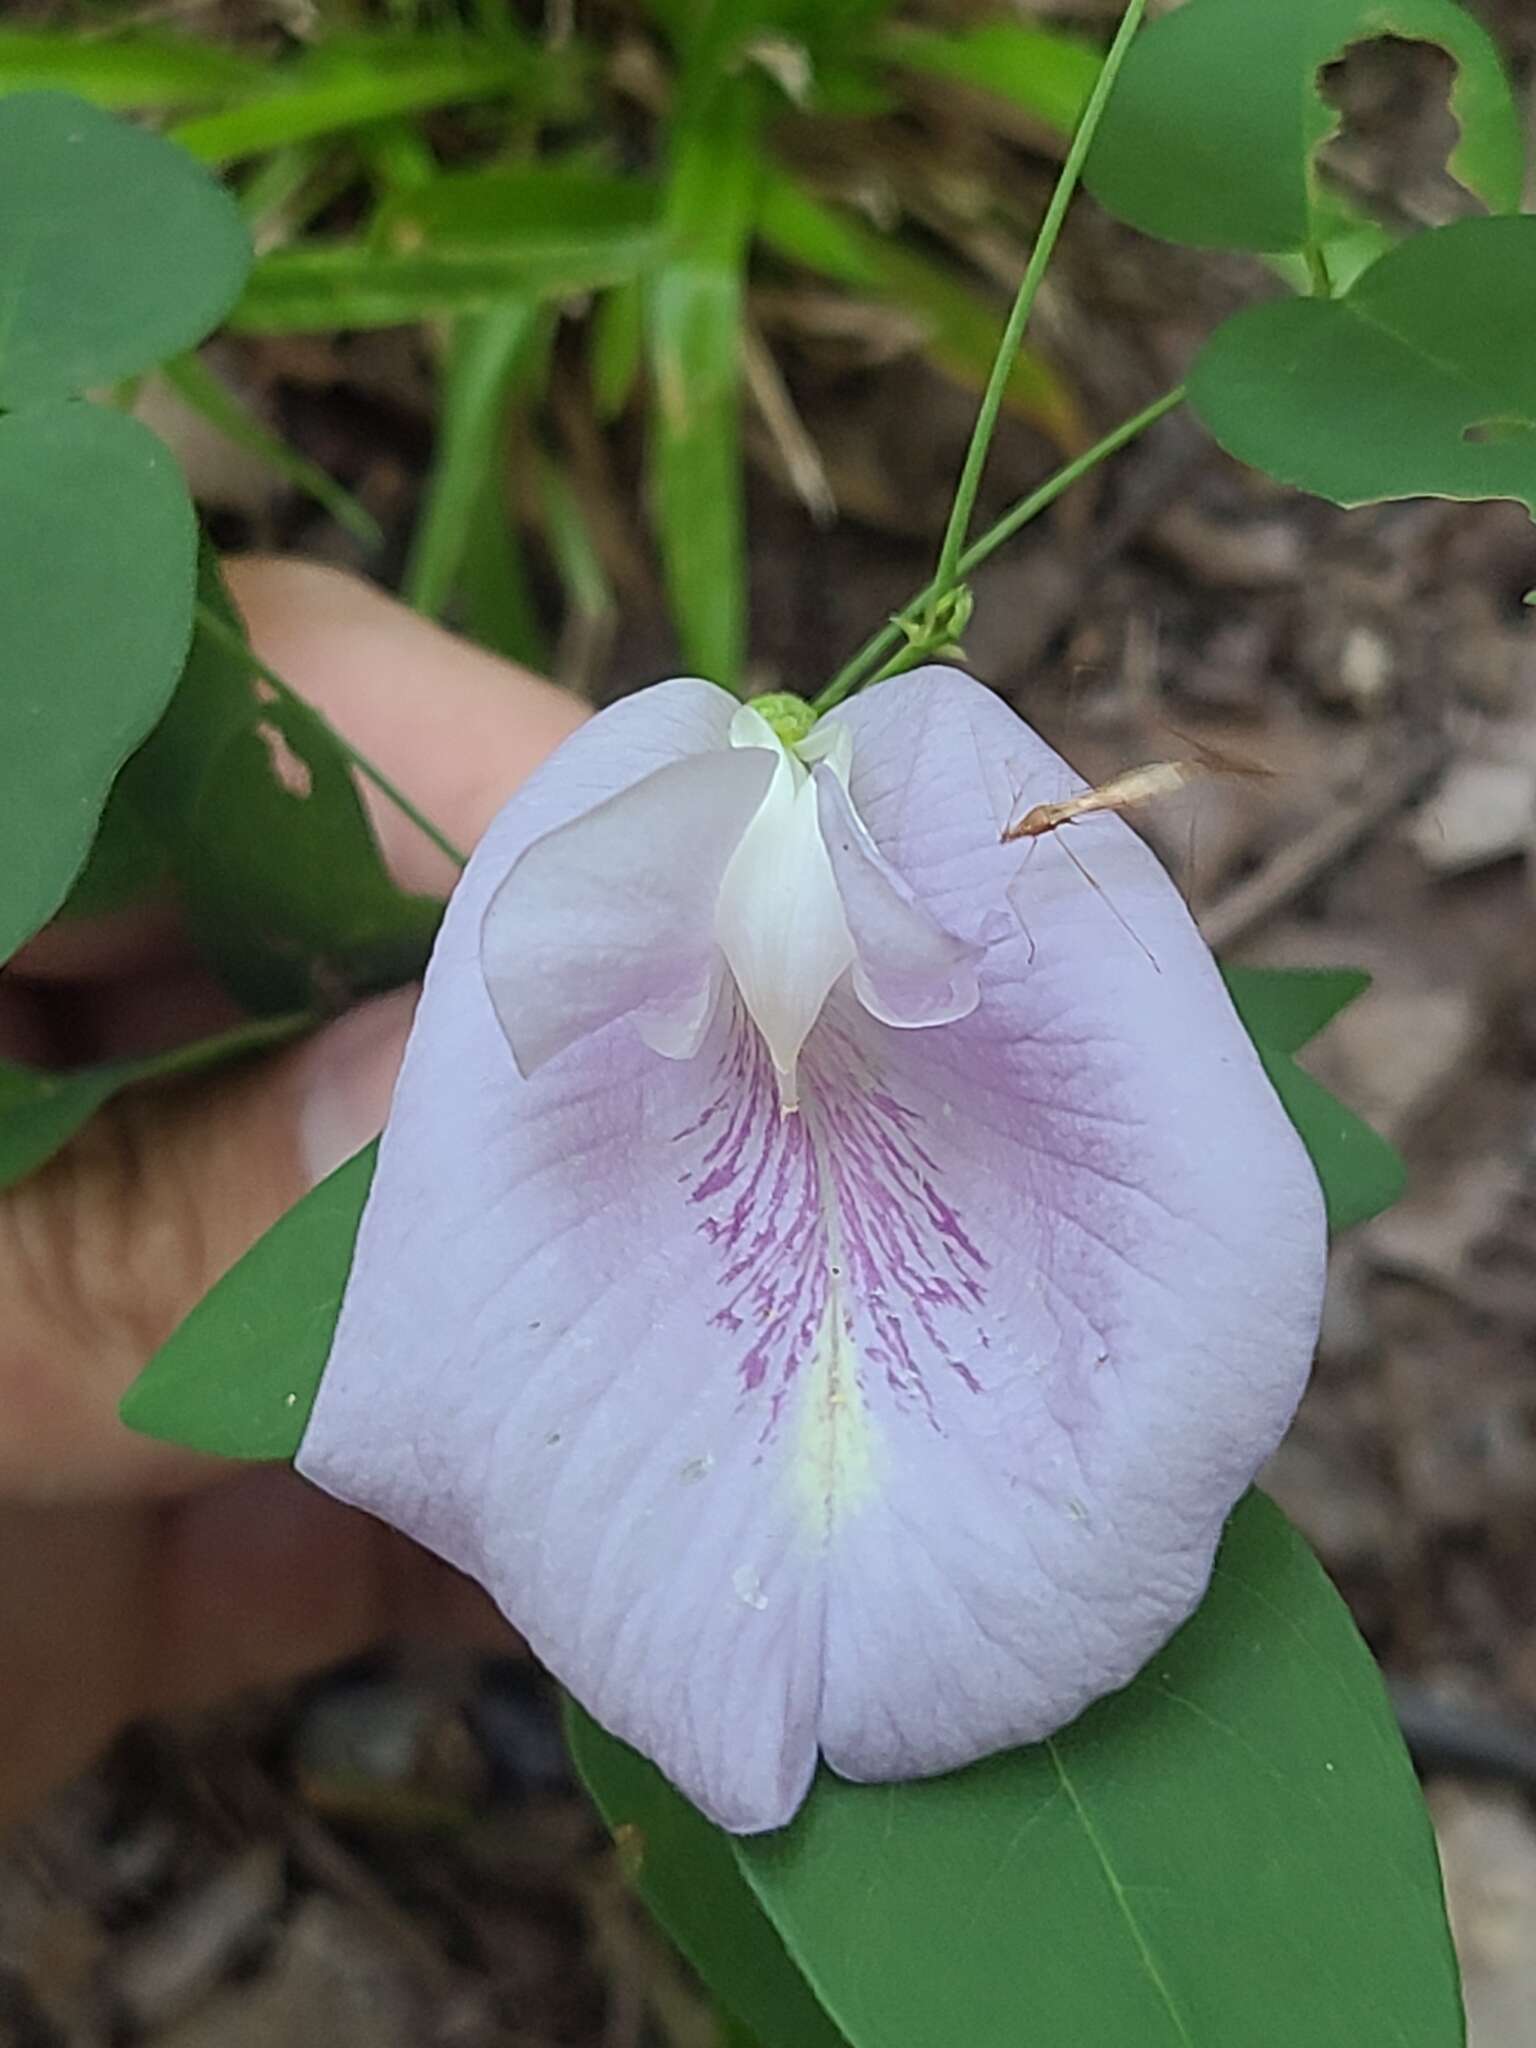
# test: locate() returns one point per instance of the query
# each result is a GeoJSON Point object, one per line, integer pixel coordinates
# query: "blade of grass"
{"type": "Point", "coordinates": [494, 589]}
{"type": "Point", "coordinates": [340, 86]}
{"type": "Point", "coordinates": [591, 614]}
{"type": "Point", "coordinates": [127, 72]}
{"type": "Point", "coordinates": [209, 396]}
{"type": "Point", "coordinates": [577, 561]}
{"type": "Point", "coordinates": [565, 203]}
{"type": "Point", "coordinates": [481, 361]}
{"type": "Point", "coordinates": [292, 187]}
{"type": "Point", "coordinates": [270, 191]}
{"type": "Point", "coordinates": [695, 309]}
{"type": "Point", "coordinates": [617, 334]}
{"type": "Point", "coordinates": [1046, 75]}
{"type": "Point", "coordinates": [325, 285]}
{"type": "Point", "coordinates": [397, 157]}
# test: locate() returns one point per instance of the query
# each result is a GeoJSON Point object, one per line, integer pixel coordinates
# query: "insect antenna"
{"type": "Point", "coordinates": [1109, 903]}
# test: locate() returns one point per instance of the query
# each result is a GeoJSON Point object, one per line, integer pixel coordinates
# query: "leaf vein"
{"type": "Point", "coordinates": [1122, 1901]}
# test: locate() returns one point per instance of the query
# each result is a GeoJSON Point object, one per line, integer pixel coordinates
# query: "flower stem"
{"type": "Point", "coordinates": [948, 570]}
{"type": "Point", "coordinates": [209, 621]}
{"type": "Point", "coordinates": [872, 665]}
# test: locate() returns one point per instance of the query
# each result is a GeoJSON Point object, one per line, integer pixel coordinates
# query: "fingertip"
{"type": "Point", "coordinates": [457, 727]}
{"type": "Point", "coordinates": [106, 1249]}
{"type": "Point", "coordinates": [309, 1582]}
{"type": "Point", "coordinates": [345, 1078]}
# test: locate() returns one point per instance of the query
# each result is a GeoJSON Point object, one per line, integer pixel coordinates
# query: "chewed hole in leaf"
{"type": "Point", "coordinates": [1497, 432]}
{"type": "Point", "coordinates": [1396, 132]}
{"type": "Point", "coordinates": [289, 770]}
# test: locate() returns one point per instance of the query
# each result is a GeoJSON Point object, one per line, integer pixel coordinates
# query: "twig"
{"type": "Point", "coordinates": [1444, 1733]}
{"type": "Point", "coordinates": [788, 432]}
{"type": "Point", "coordinates": [1297, 866]}
{"type": "Point", "coordinates": [633, 1958]}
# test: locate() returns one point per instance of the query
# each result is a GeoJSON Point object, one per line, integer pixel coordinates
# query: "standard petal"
{"type": "Point", "coordinates": [907, 969]}
{"type": "Point", "coordinates": [543, 1361]}
{"type": "Point", "coordinates": [906, 1424]}
{"type": "Point", "coordinates": [646, 731]}
{"type": "Point", "coordinates": [1110, 1262]}
{"type": "Point", "coordinates": [614, 912]}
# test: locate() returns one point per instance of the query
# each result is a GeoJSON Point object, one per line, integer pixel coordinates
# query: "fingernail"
{"type": "Point", "coordinates": [346, 1079]}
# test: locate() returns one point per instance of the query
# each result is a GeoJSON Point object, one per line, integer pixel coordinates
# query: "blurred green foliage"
{"type": "Point", "coordinates": [453, 167]}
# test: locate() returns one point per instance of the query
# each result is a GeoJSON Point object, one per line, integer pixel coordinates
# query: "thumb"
{"type": "Point", "coordinates": [105, 1250]}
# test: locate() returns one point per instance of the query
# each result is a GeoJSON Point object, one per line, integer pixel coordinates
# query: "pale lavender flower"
{"type": "Point", "coordinates": [823, 1276]}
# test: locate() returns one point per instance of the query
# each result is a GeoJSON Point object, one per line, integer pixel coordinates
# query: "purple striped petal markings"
{"type": "Point", "coordinates": [822, 1276]}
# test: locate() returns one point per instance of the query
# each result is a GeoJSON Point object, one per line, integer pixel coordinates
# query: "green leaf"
{"type": "Point", "coordinates": [239, 1376]}
{"type": "Point", "coordinates": [116, 250]}
{"type": "Point", "coordinates": [1047, 76]}
{"type": "Point", "coordinates": [228, 414]}
{"type": "Point", "coordinates": [40, 1110]}
{"type": "Point", "coordinates": [734, 2035]}
{"type": "Point", "coordinates": [1360, 1172]}
{"type": "Point", "coordinates": [1285, 1006]}
{"type": "Point", "coordinates": [254, 799]}
{"type": "Point", "coordinates": [349, 82]}
{"type": "Point", "coordinates": [1213, 132]}
{"type": "Point", "coordinates": [695, 312]}
{"type": "Point", "coordinates": [97, 547]}
{"type": "Point", "coordinates": [136, 70]}
{"type": "Point", "coordinates": [1421, 381]}
{"type": "Point", "coordinates": [685, 1871]}
{"type": "Point", "coordinates": [1232, 1853]}
{"type": "Point", "coordinates": [126, 863]}
{"type": "Point", "coordinates": [1281, 1008]}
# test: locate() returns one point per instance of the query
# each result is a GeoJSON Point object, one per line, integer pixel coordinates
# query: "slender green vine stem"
{"type": "Point", "coordinates": [871, 665]}
{"type": "Point", "coordinates": [947, 572]}
{"type": "Point", "coordinates": [226, 635]}
{"type": "Point", "coordinates": [1318, 271]}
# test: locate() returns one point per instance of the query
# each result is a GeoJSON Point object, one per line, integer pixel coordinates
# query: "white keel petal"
{"type": "Point", "coordinates": [779, 920]}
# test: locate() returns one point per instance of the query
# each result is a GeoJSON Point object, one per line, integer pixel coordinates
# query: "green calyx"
{"type": "Point", "coordinates": [790, 716]}
{"type": "Point", "coordinates": [936, 631]}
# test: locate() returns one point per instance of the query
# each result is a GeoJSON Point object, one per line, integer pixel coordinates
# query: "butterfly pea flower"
{"type": "Point", "coordinates": [823, 1277]}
